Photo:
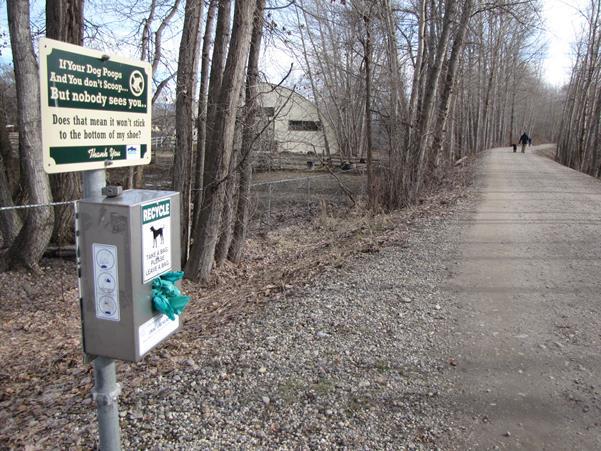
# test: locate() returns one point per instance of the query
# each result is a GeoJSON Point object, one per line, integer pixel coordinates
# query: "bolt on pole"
{"type": "Point", "coordinates": [106, 389]}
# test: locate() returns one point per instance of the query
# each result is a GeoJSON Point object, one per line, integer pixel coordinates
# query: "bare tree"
{"type": "Point", "coordinates": [220, 140]}
{"type": "Point", "coordinates": [580, 134]}
{"type": "Point", "coordinates": [249, 135]}
{"type": "Point", "coordinates": [331, 54]}
{"type": "Point", "coordinates": [450, 79]}
{"type": "Point", "coordinates": [10, 222]}
{"type": "Point", "coordinates": [30, 244]}
{"type": "Point", "coordinates": [207, 126]}
{"type": "Point", "coordinates": [8, 103]}
{"type": "Point", "coordinates": [64, 22]}
{"type": "Point", "coordinates": [184, 117]}
{"type": "Point", "coordinates": [310, 76]}
{"type": "Point", "coordinates": [150, 22]}
{"type": "Point", "coordinates": [367, 58]}
{"type": "Point", "coordinates": [201, 130]}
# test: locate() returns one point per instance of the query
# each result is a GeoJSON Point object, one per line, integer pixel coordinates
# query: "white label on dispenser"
{"type": "Point", "coordinates": [155, 330]}
{"type": "Point", "coordinates": [106, 282]}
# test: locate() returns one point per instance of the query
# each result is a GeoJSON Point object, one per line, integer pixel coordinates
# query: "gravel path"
{"type": "Point", "coordinates": [354, 360]}
{"type": "Point", "coordinates": [525, 293]}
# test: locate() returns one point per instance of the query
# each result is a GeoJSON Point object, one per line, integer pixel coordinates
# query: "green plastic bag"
{"type": "Point", "coordinates": [166, 297]}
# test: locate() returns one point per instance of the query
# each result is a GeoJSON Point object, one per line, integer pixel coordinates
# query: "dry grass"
{"type": "Point", "coordinates": [545, 150]}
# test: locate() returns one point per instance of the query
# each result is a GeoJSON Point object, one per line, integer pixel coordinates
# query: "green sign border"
{"type": "Point", "coordinates": [55, 150]}
{"type": "Point", "coordinates": [153, 204]}
{"type": "Point", "coordinates": [79, 154]}
{"type": "Point", "coordinates": [53, 65]}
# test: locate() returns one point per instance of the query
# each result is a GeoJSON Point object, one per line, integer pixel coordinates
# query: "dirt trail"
{"type": "Point", "coordinates": [527, 289]}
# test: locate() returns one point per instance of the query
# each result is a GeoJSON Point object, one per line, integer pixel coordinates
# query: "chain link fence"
{"type": "Point", "coordinates": [281, 202]}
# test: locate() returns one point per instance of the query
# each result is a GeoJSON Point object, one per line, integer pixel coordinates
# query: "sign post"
{"type": "Point", "coordinates": [96, 113]}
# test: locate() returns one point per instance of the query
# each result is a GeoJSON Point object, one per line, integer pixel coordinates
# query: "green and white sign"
{"type": "Point", "coordinates": [156, 239]}
{"type": "Point", "coordinates": [96, 109]}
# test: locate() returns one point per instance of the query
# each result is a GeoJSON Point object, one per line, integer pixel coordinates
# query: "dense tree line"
{"type": "Point", "coordinates": [441, 79]}
{"type": "Point", "coordinates": [579, 141]}
{"type": "Point", "coordinates": [411, 86]}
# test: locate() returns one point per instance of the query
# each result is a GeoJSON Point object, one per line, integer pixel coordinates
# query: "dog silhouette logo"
{"type": "Point", "coordinates": [156, 234]}
{"type": "Point", "coordinates": [136, 83]}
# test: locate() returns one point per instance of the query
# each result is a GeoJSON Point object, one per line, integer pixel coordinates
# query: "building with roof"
{"type": "Point", "coordinates": [294, 123]}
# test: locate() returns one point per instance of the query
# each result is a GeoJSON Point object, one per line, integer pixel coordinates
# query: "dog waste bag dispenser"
{"type": "Point", "coordinates": [125, 242]}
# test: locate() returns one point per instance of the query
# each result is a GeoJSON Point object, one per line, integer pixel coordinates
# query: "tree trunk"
{"type": "Point", "coordinates": [30, 244]}
{"type": "Point", "coordinates": [220, 143]}
{"type": "Point", "coordinates": [370, 167]}
{"type": "Point", "coordinates": [202, 114]}
{"type": "Point", "coordinates": [398, 125]}
{"type": "Point", "coordinates": [184, 117]}
{"type": "Point", "coordinates": [222, 33]}
{"type": "Point", "coordinates": [10, 222]}
{"type": "Point", "coordinates": [64, 22]}
{"type": "Point", "coordinates": [447, 88]}
{"type": "Point", "coordinates": [248, 136]}
{"type": "Point", "coordinates": [10, 157]}
{"type": "Point", "coordinates": [227, 215]}
{"type": "Point", "coordinates": [414, 105]}
{"type": "Point", "coordinates": [152, 52]}
{"type": "Point", "coordinates": [314, 91]}
{"type": "Point", "coordinates": [424, 117]}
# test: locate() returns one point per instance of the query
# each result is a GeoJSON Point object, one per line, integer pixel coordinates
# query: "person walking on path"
{"type": "Point", "coordinates": [524, 141]}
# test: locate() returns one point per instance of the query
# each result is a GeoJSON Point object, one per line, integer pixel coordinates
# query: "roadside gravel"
{"type": "Point", "coordinates": [355, 359]}
{"type": "Point", "coordinates": [332, 334]}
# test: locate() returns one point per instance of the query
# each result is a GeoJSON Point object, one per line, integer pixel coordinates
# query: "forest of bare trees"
{"type": "Point", "coordinates": [579, 139]}
{"type": "Point", "coordinates": [447, 79]}
{"type": "Point", "coordinates": [411, 86]}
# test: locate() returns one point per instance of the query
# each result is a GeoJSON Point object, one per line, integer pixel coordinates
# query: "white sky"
{"type": "Point", "coordinates": [562, 25]}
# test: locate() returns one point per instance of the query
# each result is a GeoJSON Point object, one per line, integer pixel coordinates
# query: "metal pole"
{"type": "Point", "coordinates": [93, 182]}
{"type": "Point", "coordinates": [106, 392]}
{"type": "Point", "coordinates": [106, 389]}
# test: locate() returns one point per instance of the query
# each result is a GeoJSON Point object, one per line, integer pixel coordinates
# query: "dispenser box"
{"type": "Point", "coordinates": [124, 243]}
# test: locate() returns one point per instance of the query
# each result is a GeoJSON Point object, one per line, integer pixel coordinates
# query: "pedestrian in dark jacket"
{"type": "Point", "coordinates": [524, 141]}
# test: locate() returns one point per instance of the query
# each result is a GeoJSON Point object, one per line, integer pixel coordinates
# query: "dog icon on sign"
{"type": "Point", "coordinates": [136, 83]}
{"type": "Point", "coordinates": [156, 234]}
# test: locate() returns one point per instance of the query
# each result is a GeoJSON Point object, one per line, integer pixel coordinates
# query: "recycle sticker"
{"type": "Point", "coordinates": [156, 239]}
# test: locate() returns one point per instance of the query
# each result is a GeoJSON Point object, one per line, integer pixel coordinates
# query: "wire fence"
{"type": "Point", "coordinates": [13, 217]}
{"type": "Point", "coordinates": [273, 203]}
{"type": "Point", "coordinates": [22, 207]}
{"type": "Point", "coordinates": [276, 203]}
